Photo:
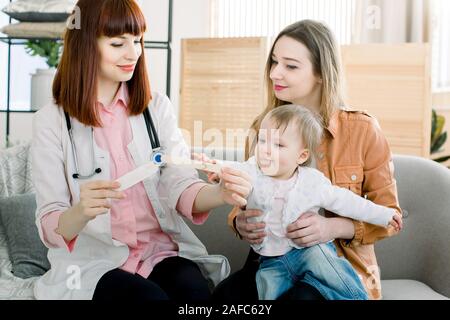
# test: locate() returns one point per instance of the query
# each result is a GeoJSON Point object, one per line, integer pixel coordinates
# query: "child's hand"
{"type": "Point", "coordinates": [397, 222]}
{"type": "Point", "coordinates": [212, 177]}
{"type": "Point", "coordinates": [235, 186]}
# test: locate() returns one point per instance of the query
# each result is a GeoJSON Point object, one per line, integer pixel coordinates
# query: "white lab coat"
{"type": "Point", "coordinates": [95, 252]}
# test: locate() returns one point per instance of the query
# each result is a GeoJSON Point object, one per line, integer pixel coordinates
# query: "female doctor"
{"type": "Point", "coordinates": [107, 244]}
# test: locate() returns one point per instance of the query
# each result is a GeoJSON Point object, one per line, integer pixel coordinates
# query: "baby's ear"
{"type": "Point", "coordinates": [303, 157]}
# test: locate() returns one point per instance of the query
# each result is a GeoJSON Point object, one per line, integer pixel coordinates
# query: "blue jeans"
{"type": "Point", "coordinates": [319, 266]}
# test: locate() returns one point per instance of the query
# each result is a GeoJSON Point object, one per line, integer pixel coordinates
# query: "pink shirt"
{"type": "Point", "coordinates": [133, 219]}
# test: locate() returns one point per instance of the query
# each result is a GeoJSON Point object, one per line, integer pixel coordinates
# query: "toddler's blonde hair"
{"type": "Point", "coordinates": [309, 125]}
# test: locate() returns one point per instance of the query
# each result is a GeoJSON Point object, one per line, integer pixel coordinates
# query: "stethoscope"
{"type": "Point", "coordinates": [157, 154]}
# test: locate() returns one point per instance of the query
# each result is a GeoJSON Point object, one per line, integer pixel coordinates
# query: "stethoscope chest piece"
{"type": "Point", "coordinates": [157, 155]}
{"type": "Point", "coordinates": [158, 158]}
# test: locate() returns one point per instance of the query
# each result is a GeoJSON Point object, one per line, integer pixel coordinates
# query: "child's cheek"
{"type": "Point", "coordinates": [283, 160]}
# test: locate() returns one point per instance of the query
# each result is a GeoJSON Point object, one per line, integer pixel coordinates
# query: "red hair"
{"type": "Point", "coordinates": [75, 84]}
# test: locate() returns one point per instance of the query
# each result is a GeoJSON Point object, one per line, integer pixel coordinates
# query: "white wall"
{"type": "Point", "coordinates": [190, 20]}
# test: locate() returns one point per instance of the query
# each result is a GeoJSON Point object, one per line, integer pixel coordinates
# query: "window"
{"type": "Point", "coordinates": [256, 18]}
{"type": "Point", "coordinates": [441, 44]}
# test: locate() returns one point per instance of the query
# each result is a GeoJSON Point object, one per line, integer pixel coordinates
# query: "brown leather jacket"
{"type": "Point", "coordinates": [354, 154]}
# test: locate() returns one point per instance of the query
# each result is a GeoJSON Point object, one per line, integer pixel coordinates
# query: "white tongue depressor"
{"type": "Point", "coordinates": [195, 164]}
{"type": "Point", "coordinates": [137, 175]}
{"type": "Point", "coordinates": [147, 170]}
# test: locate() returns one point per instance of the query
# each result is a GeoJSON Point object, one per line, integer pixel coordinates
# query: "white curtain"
{"type": "Point", "coordinates": [391, 21]}
{"type": "Point", "coordinates": [441, 44]}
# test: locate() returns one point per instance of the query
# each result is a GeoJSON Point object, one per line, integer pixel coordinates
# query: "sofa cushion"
{"type": "Point", "coordinates": [408, 290]}
{"type": "Point", "coordinates": [15, 171]}
{"type": "Point", "coordinates": [27, 253]}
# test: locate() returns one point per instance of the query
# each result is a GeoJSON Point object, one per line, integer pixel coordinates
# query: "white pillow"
{"type": "Point", "coordinates": [35, 29]}
{"type": "Point", "coordinates": [40, 10]}
{"type": "Point", "coordinates": [15, 170]}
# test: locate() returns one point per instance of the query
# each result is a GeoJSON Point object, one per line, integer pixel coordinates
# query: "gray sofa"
{"type": "Point", "coordinates": [414, 264]}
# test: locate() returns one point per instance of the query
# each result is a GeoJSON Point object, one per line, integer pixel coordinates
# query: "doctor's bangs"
{"type": "Point", "coordinates": [120, 17]}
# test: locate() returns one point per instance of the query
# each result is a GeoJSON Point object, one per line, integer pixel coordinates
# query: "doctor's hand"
{"type": "Point", "coordinates": [95, 198]}
{"type": "Point", "coordinates": [212, 176]}
{"type": "Point", "coordinates": [235, 186]}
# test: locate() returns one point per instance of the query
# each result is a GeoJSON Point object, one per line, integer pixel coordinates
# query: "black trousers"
{"type": "Point", "coordinates": [174, 278]}
{"type": "Point", "coordinates": [241, 286]}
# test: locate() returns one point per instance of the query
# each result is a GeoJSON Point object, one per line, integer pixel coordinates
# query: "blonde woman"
{"type": "Point", "coordinates": [304, 68]}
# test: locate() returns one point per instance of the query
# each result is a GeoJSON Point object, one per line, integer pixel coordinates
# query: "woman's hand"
{"type": "Point", "coordinates": [94, 201]}
{"type": "Point", "coordinates": [235, 186]}
{"type": "Point", "coordinates": [94, 198]}
{"type": "Point", "coordinates": [250, 232]}
{"type": "Point", "coordinates": [212, 176]}
{"type": "Point", "coordinates": [310, 229]}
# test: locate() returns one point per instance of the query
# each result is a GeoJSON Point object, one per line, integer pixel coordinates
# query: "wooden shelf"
{"type": "Point", "coordinates": [17, 111]}
{"type": "Point", "coordinates": [18, 41]}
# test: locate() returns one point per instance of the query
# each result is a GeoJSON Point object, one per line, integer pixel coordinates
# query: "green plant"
{"type": "Point", "coordinates": [438, 138]}
{"type": "Point", "coordinates": [48, 49]}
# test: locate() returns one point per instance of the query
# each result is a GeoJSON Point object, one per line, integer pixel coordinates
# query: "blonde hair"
{"type": "Point", "coordinates": [326, 60]}
{"type": "Point", "coordinates": [307, 123]}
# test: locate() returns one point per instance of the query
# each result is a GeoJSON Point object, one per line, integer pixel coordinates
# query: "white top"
{"type": "Point", "coordinates": [283, 202]}
{"type": "Point", "coordinates": [277, 243]}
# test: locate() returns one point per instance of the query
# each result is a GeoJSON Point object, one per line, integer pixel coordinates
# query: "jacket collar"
{"type": "Point", "coordinates": [333, 124]}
